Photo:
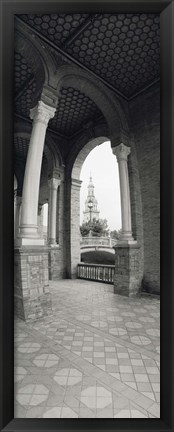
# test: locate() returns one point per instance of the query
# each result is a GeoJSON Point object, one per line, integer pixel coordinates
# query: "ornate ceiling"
{"type": "Point", "coordinates": [122, 50]}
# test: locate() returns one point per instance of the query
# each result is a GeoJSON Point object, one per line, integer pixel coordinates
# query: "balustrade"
{"type": "Point", "coordinates": [96, 272]}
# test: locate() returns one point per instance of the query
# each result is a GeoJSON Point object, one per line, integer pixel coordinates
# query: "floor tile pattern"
{"type": "Point", "coordinates": [96, 356]}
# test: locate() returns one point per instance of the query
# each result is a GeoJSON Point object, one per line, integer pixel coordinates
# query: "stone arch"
{"type": "Point", "coordinates": [88, 136]}
{"type": "Point", "coordinates": [83, 147]}
{"type": "Point", "coordinates": [109, 105]}
{"type": "Point", "coordinates": [83, 153]}
{"type": "Point", "coordinates": [54, 151]}
{"type": "Point", "coordinates": [38, 57]}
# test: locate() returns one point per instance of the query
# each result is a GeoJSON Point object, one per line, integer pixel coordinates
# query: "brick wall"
{"type": "Point", "coordinates": [145, 127]}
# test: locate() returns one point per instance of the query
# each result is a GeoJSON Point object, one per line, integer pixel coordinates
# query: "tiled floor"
{"type": "Point", "coordinates": [96, 356]}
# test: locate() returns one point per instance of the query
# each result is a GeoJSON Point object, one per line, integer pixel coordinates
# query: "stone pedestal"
{"type": "Point", "coordinates": [32, 299]}
{"type": "Point", "coordinates": [128, 274]}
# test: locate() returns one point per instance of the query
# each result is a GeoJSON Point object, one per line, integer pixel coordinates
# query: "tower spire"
{"type": "Point", "coordinates": [91, 211]}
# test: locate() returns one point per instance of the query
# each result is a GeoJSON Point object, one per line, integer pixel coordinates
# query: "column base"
{"type": "Point", "coordinates": [128, 273]}
{"type": "Point", "coordinates": [32, 298]}
{"type": "Point", "coordinates": [24, 241]}
{"type": "Point", "coordinates": [53, 244]}
{"type": "Point", "coordinates": [29, 236]}
{"type": "Point", "coordinates": [126, 236]}
{"type": "Point", "coordinates": [125, 243]}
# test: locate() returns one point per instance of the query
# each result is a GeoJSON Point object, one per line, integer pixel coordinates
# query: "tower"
{"type": "Point", "coordinates": [91, 211]}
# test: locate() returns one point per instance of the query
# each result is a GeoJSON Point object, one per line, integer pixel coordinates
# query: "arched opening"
{"type": "Point", "coordinates": [129, 248]}
{"type": "Point", "coordinates": [100, 210]}
{"type": "Point", "coordinates": [74, 252]}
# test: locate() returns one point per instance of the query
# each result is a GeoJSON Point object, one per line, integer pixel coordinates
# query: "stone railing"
{"type": "Point", "coordinates": [96, 272]}
{"type": "Point", "coordinates": [97, 241]}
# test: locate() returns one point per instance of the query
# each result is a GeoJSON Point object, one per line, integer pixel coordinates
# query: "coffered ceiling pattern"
{"type": "Point", "coordinates": [122, 50]}
{"type": "Point", "coordinates": [74, 110]}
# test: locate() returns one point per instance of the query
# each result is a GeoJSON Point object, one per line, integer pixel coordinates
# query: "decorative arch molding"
{"type": "Point", "coordinates": [50, 142]}
{"type": "Point", "coordinates": [26, 48]}
{"type": "Point", "coordinates": [91, 137]}
{"type": "Point", "coordinates": [111, 107]}
{"type": "Point", "coordinates": [84, 152]}
{"type": "Point", "coordinates": [38, 57]}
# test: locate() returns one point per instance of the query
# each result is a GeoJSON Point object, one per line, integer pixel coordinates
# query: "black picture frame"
{"type": "Point", "coordinates": [7, 11]}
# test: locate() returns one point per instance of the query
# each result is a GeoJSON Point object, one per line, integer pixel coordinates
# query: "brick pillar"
{"type": "Point", "coordinates": [32, 298]}
{"type": "Point", "coordinates": [128, 274]}
{"type": "Point", "coordinates": [128, 259]}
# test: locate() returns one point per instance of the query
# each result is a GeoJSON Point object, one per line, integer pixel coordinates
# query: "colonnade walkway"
{"type": "Point", "coordinates": [96, 356]}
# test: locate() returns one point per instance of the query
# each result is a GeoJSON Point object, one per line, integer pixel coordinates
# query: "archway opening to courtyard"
{"type": "Point", "coordinates": [95, 221]}
{"type": "Point", "coordinates": [100, 209]}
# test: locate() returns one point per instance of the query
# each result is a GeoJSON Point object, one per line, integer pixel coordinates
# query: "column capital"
{"type": "Point", "coordinates": [121, 152]}
{"type": "Point", "coordinates": [42, 113]}
{"type": "Point", "coordinates": [53, 183]}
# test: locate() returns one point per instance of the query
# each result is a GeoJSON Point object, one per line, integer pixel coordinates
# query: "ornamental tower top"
{"type": "Point", "coordinates": [91, 211]}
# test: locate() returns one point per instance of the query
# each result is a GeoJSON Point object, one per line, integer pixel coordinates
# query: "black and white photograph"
{"type": "Point", "coordinates": [87, 215]}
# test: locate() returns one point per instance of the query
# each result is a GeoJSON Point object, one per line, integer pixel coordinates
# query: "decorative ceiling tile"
{"type": "Point", "coordinates": [21, 146]}
{"type": "Point", "coordinates": [24, 103]}
{"type": "Point", "coordinates": [123, 49]}
{"type": "Point", "coordinates": [22, 72]}
{"type": "Point", "coordinates": [75, 109]}
{"type": "Point", "coordinates": [56, 27]}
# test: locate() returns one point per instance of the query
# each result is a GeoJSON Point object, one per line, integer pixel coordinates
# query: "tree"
{"type": "Point", "coordinates": [115, 234]}
{"type": "Point", "coordinates": [84, 229]}
{"type": "Point", "coordinates": [98, 228]}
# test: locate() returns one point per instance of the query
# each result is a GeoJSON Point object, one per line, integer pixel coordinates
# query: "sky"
{"type": "Point", "coordinates": [102, 165]}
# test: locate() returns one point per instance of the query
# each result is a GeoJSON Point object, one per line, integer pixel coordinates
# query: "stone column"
{"type": "Point", "coordinates": [75, 226]}
{"type": "Point", "coordinates": [121, 152]}
{"type": "Point", "coordinates": [41, 115]}
{"type": "Point", "coordinates": [53, 186]}
{"type": "Point", "coordinates": [17, 207]}
{"type": "Point", "coordinates": [127, 277]}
